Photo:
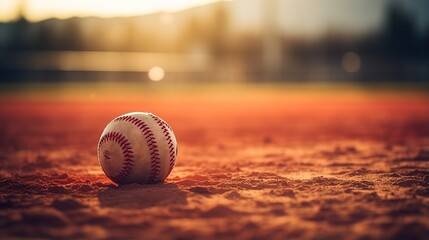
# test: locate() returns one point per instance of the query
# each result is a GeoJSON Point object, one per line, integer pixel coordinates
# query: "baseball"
{"type": "Point", "coordinates": [137, 147]}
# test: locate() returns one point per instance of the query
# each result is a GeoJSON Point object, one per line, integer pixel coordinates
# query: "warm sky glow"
{"type": "Point", "coordinates": [306, 17]}
{"type": "Point", "coordinates": [36, 10]}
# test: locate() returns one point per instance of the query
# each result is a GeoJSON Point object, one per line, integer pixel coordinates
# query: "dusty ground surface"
{"type": "Point", "coordinates": [252, 165]}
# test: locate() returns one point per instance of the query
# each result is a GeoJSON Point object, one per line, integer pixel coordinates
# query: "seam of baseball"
{"type": "Point", "coordinates": [127, 153]}
{"type": "Point", "coordinates": [171, 150]}
{"type": "Point", "coordinates": [155, 161]}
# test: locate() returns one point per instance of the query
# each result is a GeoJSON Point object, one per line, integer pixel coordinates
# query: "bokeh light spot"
{"type": "Point", "coordinates": [156, 74]}
{"type": "Point", "coordinates": [351, 62]}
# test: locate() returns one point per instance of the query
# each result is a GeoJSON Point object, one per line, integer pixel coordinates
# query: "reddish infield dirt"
{"type": "Point", "coordinates": [250, 167]}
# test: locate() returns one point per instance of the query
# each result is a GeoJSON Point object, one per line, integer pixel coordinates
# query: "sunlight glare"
{"type": "Point", "coordinates": [37, 10]}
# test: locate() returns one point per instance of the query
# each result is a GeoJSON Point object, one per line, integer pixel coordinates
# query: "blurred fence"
{"type": "Point", "coordinates": [22, 66]}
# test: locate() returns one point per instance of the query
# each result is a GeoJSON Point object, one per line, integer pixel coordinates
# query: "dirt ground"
{"type": "Point", "coordinates": [252, 164]}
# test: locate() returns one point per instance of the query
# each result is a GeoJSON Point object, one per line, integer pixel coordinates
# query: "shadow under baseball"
{"type": "Point", "coordinates": [136, 196]}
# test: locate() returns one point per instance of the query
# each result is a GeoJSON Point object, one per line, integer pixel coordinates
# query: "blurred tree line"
{"type": "Point", "coordinates": [399, 36]}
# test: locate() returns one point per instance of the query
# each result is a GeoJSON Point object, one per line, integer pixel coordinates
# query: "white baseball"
{"type": "Point", "coordinates": [137, 147]}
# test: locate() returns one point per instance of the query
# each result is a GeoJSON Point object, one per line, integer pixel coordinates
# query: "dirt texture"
{"type": "Point", "coordinates": [249, 167]}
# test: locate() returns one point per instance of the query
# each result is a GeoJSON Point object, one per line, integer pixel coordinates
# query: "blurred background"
{"type": "Point", "coordinates": [355, 41]}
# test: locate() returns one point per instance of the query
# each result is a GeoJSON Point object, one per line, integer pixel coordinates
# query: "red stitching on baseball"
{"type": "Point", "coordinates": [172, 152]}
{"type": "Point", "coordinates": [127, 152]}
{"type": "Point", "coordinates": [155, 161]}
